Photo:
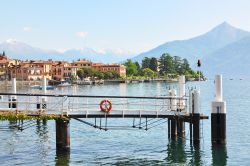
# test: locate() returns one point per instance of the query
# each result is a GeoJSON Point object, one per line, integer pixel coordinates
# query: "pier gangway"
{"type": "Point", "coordinates": [88, 106]}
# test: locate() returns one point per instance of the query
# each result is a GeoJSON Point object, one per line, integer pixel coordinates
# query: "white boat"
{"type": "Point", "coordinates": [48, 87]}
{"type": "Point", "coordinates": [86, 81]}
{"type": "Point", "coordinates": [64, 84]}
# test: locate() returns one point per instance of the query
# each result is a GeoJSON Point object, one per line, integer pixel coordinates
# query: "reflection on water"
{"type": "Point", "coordinates": [179, 152]}
{"type": "Point", "coordinates": [219, 155]}
{"type": "Point", "coordinates": [176, 151]}
{"type": "Point", "coordinates": [62, 158]}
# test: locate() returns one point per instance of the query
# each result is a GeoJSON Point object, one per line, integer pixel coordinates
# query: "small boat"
{"type": "Point", "coordinates": [47, 87]}
{"type": "Point", "coordinates": [35, 86]}
{"type": "Point", "coordinates": [64, 84]}
{"type": "Point", "coordinates": [41, 88]}
{"type": "Point", "coordinates": [86, 81]}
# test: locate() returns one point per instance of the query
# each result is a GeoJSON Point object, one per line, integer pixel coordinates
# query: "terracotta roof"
{"type": "Point", "coordinates": [82, 61]}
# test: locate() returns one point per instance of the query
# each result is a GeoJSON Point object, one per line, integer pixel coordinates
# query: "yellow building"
{"type": "Point", "coordinates": [8, 67]}
{"type": "Point", "coordinates": [82, 63]}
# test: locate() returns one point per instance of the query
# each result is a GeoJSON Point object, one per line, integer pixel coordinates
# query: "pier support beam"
{"type": "Point", "coordinates": [180, 128]}
{"type": "Point", "coordinates": [62, 135]}
{"type": "Point", "coordinates": [218, 115]}
{"type": "Point", "coordinates": [196, 117]}
{"type": "Point", "coordinates": [173, 128]}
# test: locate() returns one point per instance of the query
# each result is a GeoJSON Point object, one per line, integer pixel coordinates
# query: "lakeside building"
{"type": "Point", "coordinates": [34, 70]}
{"type": "Point", "coordinates": [82, 63]}
{"type": "Point", "coordinates": [57, 70]}
{"type": "Point", "coordinates": [120, 69]}
{"type": "Point", "coordinates": [7, 66]}
{"type": "Point", "coordinates": [63, 70]}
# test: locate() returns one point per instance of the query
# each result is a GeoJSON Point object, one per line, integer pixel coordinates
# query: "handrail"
{"type": "Point", "coordinates": [93, 96]}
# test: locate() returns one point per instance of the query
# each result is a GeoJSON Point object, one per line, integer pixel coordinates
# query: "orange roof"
{"type": "Point", "coordinates": [80, 61]}
{"type": "Point", "coordinates": [36, 62]}
{"type": "Point", "coordinates": [97, 64]}
{"type": "Point", "coordinates": [4, 61]}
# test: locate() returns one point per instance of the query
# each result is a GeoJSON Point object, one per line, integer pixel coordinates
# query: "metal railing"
{"type": "Point", "coordinates": [90, 104]}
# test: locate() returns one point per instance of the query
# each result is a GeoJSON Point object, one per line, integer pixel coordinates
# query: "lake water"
{"type": "Point", "coordinates": [90, 146]}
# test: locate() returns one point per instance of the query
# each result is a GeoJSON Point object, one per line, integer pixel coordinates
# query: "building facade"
{"type": "Point", "coordinates": [62, 70]}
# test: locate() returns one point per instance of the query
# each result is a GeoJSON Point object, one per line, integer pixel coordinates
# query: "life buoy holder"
{"type": "Point", "coordinates": [105, 106]}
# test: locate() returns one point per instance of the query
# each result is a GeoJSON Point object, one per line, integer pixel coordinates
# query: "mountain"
{"type": "Point", "coordinates": [19, 50]}
{"type": "Point", "coordinates": [232, 60]}
{"type": "Point", "coordinates": [200, 46]}
{"type": "Point", "coordinates": [105, 56]}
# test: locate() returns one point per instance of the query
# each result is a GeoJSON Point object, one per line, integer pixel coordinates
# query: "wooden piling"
{"type": "Point", "coordinates": [180, 128]}
{"type": "Point", "coordinates": [169, 127]}
{"type": "Point", "coordinates": [218, 128]}
{"type": "Point", "coordinates": [62, 135]}
{"type": "Point", "coordinates": [173, 128]}
{"type": "Point", "coordinates": [196, 128]}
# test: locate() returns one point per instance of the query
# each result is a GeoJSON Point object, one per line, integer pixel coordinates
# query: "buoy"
{"type": "Point", "coordinates": [105, 106]}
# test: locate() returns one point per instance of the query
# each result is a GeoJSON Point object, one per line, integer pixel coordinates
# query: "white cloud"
{"type": "Point", "coordinates": [27, 29]}
{"type": "Point", "coordinates": [11, 41]}
{"type": "Point", "coordinates": [82, 34]}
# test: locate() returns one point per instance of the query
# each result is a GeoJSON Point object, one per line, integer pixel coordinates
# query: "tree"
{"type": "Point", "coordinates": [166, 64]}
{"type": "Point", "coordinates": [153, 64]}
{"type": "Point", "coordinates": [72, 78]}
{"type": "Point", "coordinates": [98, 74]}
{"type": "Point", "coordinates": [148, 72]}
{"type": "Point", "coordinates": [88, 72]}
{"type": "Point", "coordinates": [108, 75]}
{"type": "Point", "coordinates": [139, 70]}
{"type": "Point", "coordinates": [115, 75]}
{"type": "Point", "coordinates": [131, 68]}
{"type": "Point", "coordinates": [177, 61]}
{"type": "Point", "coordinates": [80, 74]}
{"type": "Point", "coordinates": [145, 63]}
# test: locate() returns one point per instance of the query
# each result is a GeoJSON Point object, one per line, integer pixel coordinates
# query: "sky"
{"type": "Point", "coordinates": [125, 26]}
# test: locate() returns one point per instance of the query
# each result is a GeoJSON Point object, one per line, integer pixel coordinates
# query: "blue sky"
{"type": "Point", "coordinates": [127, 26]}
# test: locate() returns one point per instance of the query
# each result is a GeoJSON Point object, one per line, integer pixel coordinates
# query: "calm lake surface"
{"type": "Point", "coordinates": [89, 146]}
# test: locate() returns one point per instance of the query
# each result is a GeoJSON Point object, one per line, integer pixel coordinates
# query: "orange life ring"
{"type": "Point", "coordinates": [105, 106]}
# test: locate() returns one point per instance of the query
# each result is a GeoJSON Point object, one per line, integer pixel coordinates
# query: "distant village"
{"type": "Point", "coordinates": [29, 70]}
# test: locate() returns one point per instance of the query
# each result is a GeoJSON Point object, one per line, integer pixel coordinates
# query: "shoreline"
{"type": "Point", "coordinates": [115, 81]}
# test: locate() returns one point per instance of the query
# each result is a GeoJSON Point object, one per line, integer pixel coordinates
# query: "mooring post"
{"type": "Point", "coordinates": [13, 99]}
{"type": "Point", "coordinates": [182, 92]}
{"type": "Point", "coordinates": [196, 117]}
{"type": "Point", "coordinates": [62, 135]}
{"type": "Point", "coordinates": [218, 115]}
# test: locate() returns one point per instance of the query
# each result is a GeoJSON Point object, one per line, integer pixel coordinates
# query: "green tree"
{"type": "Point", "coordinates": [80, 73]}
{"type": "Point", "coordinates": [72, 78]}
{"type": "Point", "coordinates": [131, 68]}
{"type": "Point", "coordinates": [153, 65]}
{"type": "Point", "coordinates": [145, 63]}
{"type": "Point", "coordinates": [166, 64]}
{"type": "Point", "coordinates": [88, 72]}
{"type": "Point", "coordinates": [139, 70]}
{"type": "Point", "coordinates": [148, 72]}
{"type": "Point", "coordinates": [108, 75]}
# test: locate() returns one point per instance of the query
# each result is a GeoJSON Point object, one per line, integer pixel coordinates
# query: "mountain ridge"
{"type": "Point", "coordinates": [19, 50]}
{"type": "Point", "coordinates": [199, 46]}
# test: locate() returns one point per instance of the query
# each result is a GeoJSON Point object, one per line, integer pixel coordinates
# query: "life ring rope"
{"type": "Point", "coordinates": [105, 106]}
